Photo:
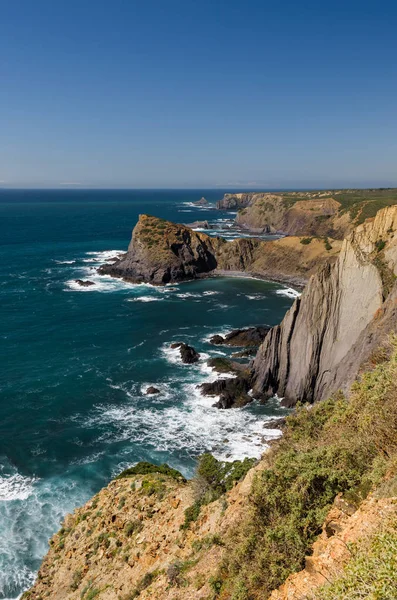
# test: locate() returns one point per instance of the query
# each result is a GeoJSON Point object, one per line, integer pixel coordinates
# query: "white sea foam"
{"type": "Point", "coordinates": [65, 262]}
{"type": "Point", "coordinates": [255, 296]}
{"type": "Point", "coordinates": [145, 299]}
{"type": "Point", "coordinates": [15, 487]}
{"type": "Point", "coordinates": [191, 425]}
{"type": "Point", "coordinates": [289, 292]}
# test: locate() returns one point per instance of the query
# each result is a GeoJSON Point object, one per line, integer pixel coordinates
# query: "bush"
{"type": "Point", "coordinates": [371, 573]}
{"type": "Point", "coordinates": [379, 245]}
{"type": "Point", "coordinates": [305, 241]}
{"type": "Point", "coordinates": [333, 447]}
{"type": "Point", "coordinates": [146, 468]}
{"type": "Point", "coordinates": [212, 479]}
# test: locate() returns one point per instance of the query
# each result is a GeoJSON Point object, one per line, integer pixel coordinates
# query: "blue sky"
{"type": "Point", "coordinates": [182, 93]}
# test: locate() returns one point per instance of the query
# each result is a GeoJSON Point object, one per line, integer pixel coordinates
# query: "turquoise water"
{"type": "Point", "coordinates": [75, 362]}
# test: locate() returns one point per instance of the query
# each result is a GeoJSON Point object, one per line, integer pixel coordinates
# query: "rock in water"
{"type": "Point", "coordinates": [152, 390]}
{"type": "Point", "coordinates": [202, 202]}
{"type": "Point", "coordinates": [161, 252]}
{"type": "Point", "coordinates": [232, 392]}
{"type": "Point", "coordinates": [84, 283]}
{"type": "Point", "coordinates": [188, 354]}
{"type": "Point", "coordinates": [251, 336]}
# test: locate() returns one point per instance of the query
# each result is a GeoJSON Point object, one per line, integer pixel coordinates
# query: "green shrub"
{"type": "Point", "coordinates": [133, 527]}
{"type": "Point", "coordinates": [327, 245]}
{"type": "Point", "coordinates": [212, 479]}
{"type": "Point", "coordinates": [146, 468]}
{"type": "Point", "coordinates": [379, 245]}
{"type": "Point", "coordinates": [305, 241]}
{"type": "Point", "coordinates": [371, 572]}
{"type": "Point", "coordinates": [334, 447]}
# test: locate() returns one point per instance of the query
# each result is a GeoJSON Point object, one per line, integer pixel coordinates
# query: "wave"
{"type": "Point", "coordinates": [289, 292]}
{"type": "Point", "coordinates": [15, 487]}
{"type": "Point", "coordinates": [65, 262]}
{"type": "Point", "coordinates": [145, 299]}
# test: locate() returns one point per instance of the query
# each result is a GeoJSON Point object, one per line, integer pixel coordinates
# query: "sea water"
{"type": "Point", "coordinates": [75, 362]}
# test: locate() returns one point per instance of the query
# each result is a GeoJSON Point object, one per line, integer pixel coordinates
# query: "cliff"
{"type": "Point", "coordinates": [331, 329]}
{"type": "Point", "coordinates": [162, 252]}
{"type": "Point", "coordinates": [275, 213]}
{"type": "Point", "coordinates": [247, 533]}
{"type": "Point", "coordinates": [324, 213]}
{"type": "Point", "coordinates": [234, 201]}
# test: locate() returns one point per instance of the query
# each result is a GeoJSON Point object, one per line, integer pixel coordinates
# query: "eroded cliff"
{"type": "Point", "coordinates": [314, 349]}
{"type": "Point", "coordinates": [162, 252]}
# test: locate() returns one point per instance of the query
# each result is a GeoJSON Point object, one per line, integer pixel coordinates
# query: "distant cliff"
{"type": "Point", "coordinates": [332, 213]}
{"type": "Point", "coordinates": [234, 201]}
{"type": "Point", "coordinates": [162, 252]}
{"type": "Point", "coordinates": [341, 316]}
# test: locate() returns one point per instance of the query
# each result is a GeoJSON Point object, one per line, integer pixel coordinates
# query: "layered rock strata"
{"type": "Point", "coordinates": [342, 314]}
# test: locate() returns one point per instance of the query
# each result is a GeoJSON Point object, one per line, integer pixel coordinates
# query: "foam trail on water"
{"type": "Point", "coordinates": [289, 292]}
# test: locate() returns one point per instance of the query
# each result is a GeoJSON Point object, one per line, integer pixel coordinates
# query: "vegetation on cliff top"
{"type": "Point", "coordinates": [336, 446]}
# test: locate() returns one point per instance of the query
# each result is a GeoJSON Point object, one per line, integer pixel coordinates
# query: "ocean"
{"type": "Point", "coordinates": [75, 362]}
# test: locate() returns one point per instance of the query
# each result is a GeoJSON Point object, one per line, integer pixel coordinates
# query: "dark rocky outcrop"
{"type": "Point", "coordinates": [202, 202]}
{"type": "Point", "coordinates": [342, 314]}
{"type": "Point", "coordinates": [84, 283]}
{"type": "Point", "coordinates": [251, 336]}
{"type": "Point", "coordinates": [188, 353]}
{"type": "Point", "coordinates": [277, 423]}
{"type": "Point", "coordinates": [232, 392]}
{"type": "Point", "coordinates": [225, 365]}
{"type": "Point", "coordinates": [162, 252]}
{"type": "Point", "coordinates": [152, 390]}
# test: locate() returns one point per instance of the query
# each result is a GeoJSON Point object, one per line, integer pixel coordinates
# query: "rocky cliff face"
{"type": "Point", "coordinates": [129, 542]}
{"type": "Point", "coordinates": [162, 252]}
{"type": "Point", "coordinates": [274, 213]}
{"type": "Point", "coordinates": [234, 201]}
{"type": "Point", "coordinates": [331, 329]}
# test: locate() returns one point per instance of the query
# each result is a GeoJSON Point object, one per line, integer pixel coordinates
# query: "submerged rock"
{"type": "Point", "coordinates": [84, 283]}
{"type": "Point", "coordinates": [188, 353]}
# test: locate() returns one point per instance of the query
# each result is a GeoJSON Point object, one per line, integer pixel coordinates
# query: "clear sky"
{"type": "Point", "coordinates": [198, 93]}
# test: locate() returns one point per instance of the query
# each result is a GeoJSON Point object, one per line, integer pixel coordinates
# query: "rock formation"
{"type": "Point", "coordinates": [272, 213]}
{"type": "Point", "coordinates": [341, 315]}
{"type": "Point", "coordinates": [251, 336]}
{"type": "Point", "coordinates": [84, 283]}
{"type": "Point", "coordinates": [234, 201]}
{"type": "Point", "coordinates": [202, 202]}
{"type": "Point", "coordinates": [162, 252]}
{"type": "Point", "coordinates": [188, 354]}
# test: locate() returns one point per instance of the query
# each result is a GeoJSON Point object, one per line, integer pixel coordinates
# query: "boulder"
{"type": "Point", "coordinates": [232, 392]}
{"type": "Point", "coordinates": [188, 353]}
{"type": "Point", "coordinates": [251, 336]}
{"type": "Point", "coordinates": [152, 390]}
{"type": "Point", "coordinates": [84, 283]}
